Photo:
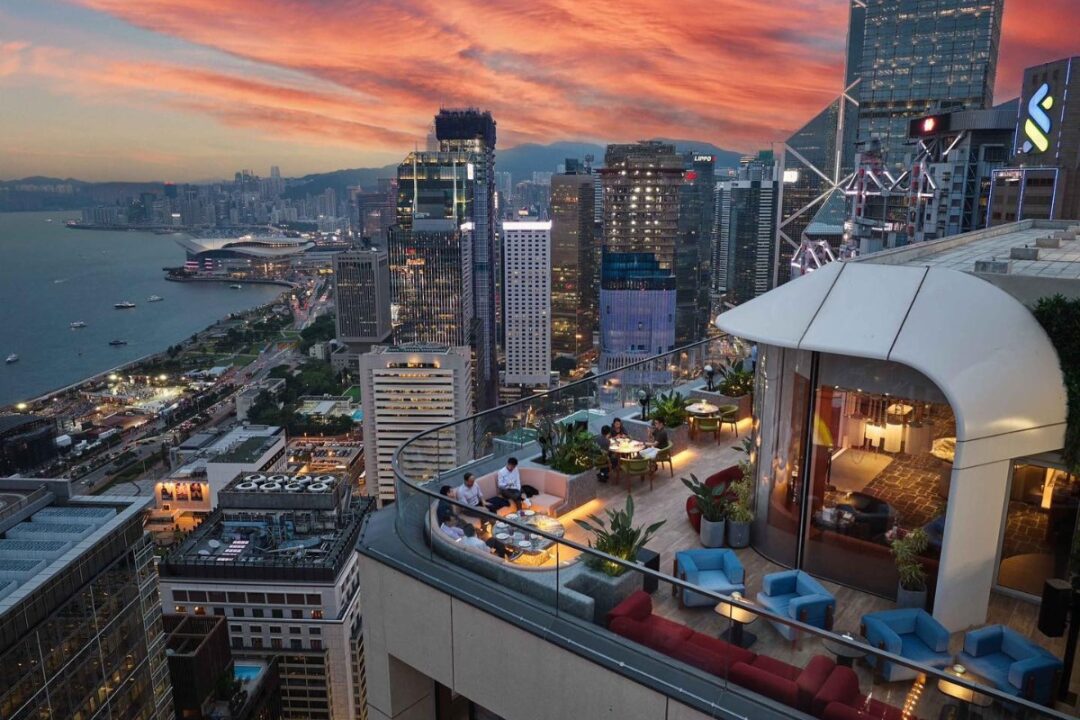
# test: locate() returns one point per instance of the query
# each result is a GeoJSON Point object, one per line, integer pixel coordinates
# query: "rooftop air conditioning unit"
{"type": "Point", "coordinates": [247, 486]}
{"type": "Point", "coordinates": [270, 487]}
{"type": "Point", "coordinates": [325, 479]}
{"type": "Point", "coordinates": [294, 487]}
{"type": "Point", "coordinates": [254, 477]}
{"type": "Point", "coordinates": [305, 479]}
{"type": "Point", "coordinates": [319, 488]}
{"type": "Point", "coordinates": [278, 478]}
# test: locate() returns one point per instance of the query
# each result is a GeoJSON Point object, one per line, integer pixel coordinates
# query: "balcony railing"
{"type": "Point", "coordinates": [573, 581]}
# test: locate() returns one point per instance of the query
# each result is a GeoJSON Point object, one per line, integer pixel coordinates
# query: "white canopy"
{"type": "Point", "coordinates": [982, 348]}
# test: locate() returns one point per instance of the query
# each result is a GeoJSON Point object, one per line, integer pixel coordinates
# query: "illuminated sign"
{"type": "Point", "coordinates": [929, 125]}
{"type": "Point", "coordinates": [791, 175]}
{"type": "Point", "coordinates": [414, 262]}
{"type": "Point", "coordinates": [691, 175]}
{"type": "Point", "coordinates": [704, 158]}
{"type": "Point", "coordinates": [1037, 124]}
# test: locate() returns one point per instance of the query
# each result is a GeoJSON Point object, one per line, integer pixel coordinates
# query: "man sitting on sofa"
{"type": "Point", "coordinates": [470, 494]}
{"type": "Point", "coordinates": [510, 487]}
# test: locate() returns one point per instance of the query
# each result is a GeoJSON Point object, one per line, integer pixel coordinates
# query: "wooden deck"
{"type": "Point", "coordinates": [666, 501]}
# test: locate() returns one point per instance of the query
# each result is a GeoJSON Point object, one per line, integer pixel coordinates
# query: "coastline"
{"type": "Point", "coordinates": [149, 356]}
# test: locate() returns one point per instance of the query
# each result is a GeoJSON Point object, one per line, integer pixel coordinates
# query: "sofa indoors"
{"type": "Point", "coordinates": [794, 594]}
{"type": "Point", "coordinates": [715, 569]}
{"type": "Point", "coordinates": [841, 690]}
{"type": "Point", "coordinates": [1013, 663]}
{"type": "Point", "coordinates": [633, 619]}
{"type": "Point", "coordinates": [725, 476]}
{"type": "Point", "coordinates": [910, 633]}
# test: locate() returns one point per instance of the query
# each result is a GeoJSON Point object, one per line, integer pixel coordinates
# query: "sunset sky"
{"type": "Point", "coordinates": [195, 89]}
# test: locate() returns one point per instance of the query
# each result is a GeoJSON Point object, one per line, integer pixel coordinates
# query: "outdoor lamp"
{"type": "Point", "coordinates": [644, 397]}
{"type": "Point", "coordinates": [710, 372]}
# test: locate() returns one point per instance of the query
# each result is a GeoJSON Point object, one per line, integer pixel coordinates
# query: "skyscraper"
{"type": "Point", "coordinates": [362, 296]}
{"type": "Point", "coordinates": [697, 212]}
{"type": "Point", "coordinates": [642, 190]}
{"type": "Point", "coordinates": [472, 131]}
{"type": "Point", "coordinates": [431, 250]}
{"type": "Point", "coordinates": [80, 622]}
{"type": "Point", "coordinates": [746, 209]}
{"type": "Point", "coordinates": [573, 267]}
{"type": "Point", "coordinates": [407, 390]}
{"type": "Point", "coordinates": [527, 300]}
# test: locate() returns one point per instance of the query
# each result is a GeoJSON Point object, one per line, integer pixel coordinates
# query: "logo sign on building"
{"type": "Point", "coordinates": [927, 126]}
{"type": "Point", "coordinates": [1034, 134]}
{"type": "Point", "coordinates": [704, 158]}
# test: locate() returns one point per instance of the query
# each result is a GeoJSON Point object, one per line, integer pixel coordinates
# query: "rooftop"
{"type": "Point", "coordinates": [244, 444]}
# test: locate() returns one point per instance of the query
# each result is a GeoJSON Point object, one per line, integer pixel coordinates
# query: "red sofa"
{"type": "Point", "coordinates": [729, 475]}
{"type": "Point", "coordinates": [788, 684]}
{"type": "Point", "coordinates": [633, 619]}
{"type": "Point", "coordinates": [841, 699]}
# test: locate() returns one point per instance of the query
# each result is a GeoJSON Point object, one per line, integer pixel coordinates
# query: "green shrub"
{"type": "Point", "coordinates": [670, 409]}
{"type": "Point", "coordinates": [617, 537]}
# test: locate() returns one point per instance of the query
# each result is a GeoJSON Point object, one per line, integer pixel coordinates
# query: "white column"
{"type": "Point", "coordinates": [973, 528]}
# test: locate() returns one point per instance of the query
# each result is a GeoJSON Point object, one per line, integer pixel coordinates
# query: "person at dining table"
{"type": "Point", "coordinates": [604, 443]}
{"type": "Point", "coordinates": [658, 438]}
{"type": "Point", "coordinates": [470, 494]}
{"type": "Point", "coordinates": [618, 432]}
{"type": "Point", "coordinates": [444, 511]}
{"type": "Point", "coordinates": [470, 538]}
{"type": "Point", "coordinates": [510, 487]}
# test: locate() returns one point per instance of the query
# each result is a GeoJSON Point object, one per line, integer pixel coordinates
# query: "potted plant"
{"type": "Point", "coordinates": [741, 511]}
{"type": "Point", "coordinates": [907, 548]}
{"type": "Point", "coordinates": [608, 582]}
{"type": "Point", "coordinates": [736, 387]}
{"type": "Point", "coordinates": [670, 408]}
{"type": "Point", "coordinates": [712, 503]}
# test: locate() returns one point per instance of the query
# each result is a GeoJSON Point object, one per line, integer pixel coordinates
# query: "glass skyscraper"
{"type": "Point", "coordinates": [573, 248]}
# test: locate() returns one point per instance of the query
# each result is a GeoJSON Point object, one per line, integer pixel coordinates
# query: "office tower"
{"type": "Point", "coordinates": [80, 621]}
{"type": "Point", "coordinates": [642, 190]}
{"type": "Point", "coordinates": [697, 212]}
{"type": "Point", "coordinates": [472, 131]}
{"type": "Point", "coordinates": [362, 295]}
{"type": "Point", "coordinates": [277, 560]}
{"type": "Point", "coordinates": [746, 217]}
{"type": "Point", "coordinates": [573, 267]}
{"type": "Point", "coordinates": [408, 389]}
{"type": "Point", "coordinates": [431, 250]}
{"type": "Point", "coordinates": [904, 60]}
{"type": "Point", "coordinates": [373, 213]}
{"type": "Point", "coordinates": [527, 288]}
{"type": "Point", "coordinates": [1045, 180]}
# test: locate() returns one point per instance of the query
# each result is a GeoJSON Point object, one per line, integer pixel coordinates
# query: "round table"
{"type": "Point", "coordinates": [965, 695]}
{"type": "Point", "coordinates": [740, 617]}
{"type": "Point", "coordinates": [845, 654]}
{"type": "Point", "coordinates": [702, 408]}
{"type": "Point", "coordinates": [627, 447]}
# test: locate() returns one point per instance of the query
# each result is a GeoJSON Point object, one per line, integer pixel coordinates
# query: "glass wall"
{"type": "Point", "coordinates": [1039, 528]}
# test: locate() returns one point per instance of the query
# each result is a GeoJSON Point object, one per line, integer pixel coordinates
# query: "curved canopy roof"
{"type": "Point", "coordinates": [982, 348]}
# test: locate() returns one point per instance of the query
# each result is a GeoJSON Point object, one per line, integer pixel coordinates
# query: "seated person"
{"type": "Point", "coordinates": [658, 438]}
{"type": "Point", "coordinates": [510, 487]}
{"type": "Point", "coordinates": [618, 432]}
{"type": "Point", "coordinates": [490, 545]}
{"type": "Point", "coordinates": [604, 443]}
{"type": "Point", "coordinates": [444, 511]}
{"type": "Point", "coordinates": [470, 494]}
{"type": "Point", "coordinates": [452, 530]}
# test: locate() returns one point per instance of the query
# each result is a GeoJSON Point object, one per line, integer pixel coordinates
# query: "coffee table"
{"type": "Point", "coordinates": [966, 696]}
{"type": "Point", "coordinates": [526, 542]}
{"type": "Point", "coordinates": [845, 654]}
{"type": "Point", "coordinates": [740, 618]}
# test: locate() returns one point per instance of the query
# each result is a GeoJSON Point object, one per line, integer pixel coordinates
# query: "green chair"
{"type": "Point", "coordinates": [602, 461]}
{"type": "Point", "coordinates": [663, 455]}
{"type": "Point", "coordinates": [637, 467]}
{"type": "Point", "coordinates": [730, 414]}
{"type": "Point", "coordinates": [709, 425]}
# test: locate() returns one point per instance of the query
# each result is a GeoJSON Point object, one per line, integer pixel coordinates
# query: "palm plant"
{"type": "Point", "coordinates": [670, 409]}
{"type": "Point", "coordinates": [906, 552]}
{"type": "Point", "coordinates": [617, 537]}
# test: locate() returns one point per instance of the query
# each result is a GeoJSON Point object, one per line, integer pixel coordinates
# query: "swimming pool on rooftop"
{"type": "Point", "coordinates": [246, 673]}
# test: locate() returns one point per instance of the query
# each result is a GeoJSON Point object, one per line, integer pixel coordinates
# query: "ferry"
{"type": "Point", "coordinates": [126, 305]}
{"type": "Point", "coordinates": [154, 298]}
{"type": "Point", "coordinates": [78, 324]}
{"type": "Point", "coordinates": [118, 342]}
{"type": "Point", "coordinates": [12, 358]}
{"type": "Point", "coordinates": [236, 287]}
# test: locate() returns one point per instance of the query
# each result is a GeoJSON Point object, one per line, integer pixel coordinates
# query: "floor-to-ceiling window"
{"type": "Point", "coordinates": [1040, 527]}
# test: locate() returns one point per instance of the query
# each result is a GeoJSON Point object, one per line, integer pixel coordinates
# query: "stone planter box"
{"type": "Point", "coordinates": [579, 489]}
{"type": "Point", "coordinates": [605, 590]}
{"type": "Point", "coordinates": [745, 403]}
{"type": "Point", "coordinates": [639, 430]}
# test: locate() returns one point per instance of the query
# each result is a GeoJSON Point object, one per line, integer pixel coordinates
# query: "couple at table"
{"type": "Point", "coordinates": [658, 439]}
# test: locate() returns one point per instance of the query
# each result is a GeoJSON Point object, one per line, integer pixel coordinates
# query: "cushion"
{"type": "Point", "coordinates": [994, 667]}
{"type": "Point", "coordinates": [777, 667]}
{"type": "Point", "coordinates": [777, 603]}
{"type": "Point", "coordinates": [1016, 645]}
{"type": "Point", "coordinates": [841, 686]}
{"type": "Point", "coordinates": [637, 606]}
{"type": "Point", "coordinates": [914, 649]}
{"type": "Point", "coordinates": [811, 679]}
{"type": "Point", "coordinates": [717, 580]}
{"type": "Point", "coordinates": [722, 647]}
{"type": "Point", "coordinates": [545, 503]}
{"type": "Point", "coordinates": [765, 683]}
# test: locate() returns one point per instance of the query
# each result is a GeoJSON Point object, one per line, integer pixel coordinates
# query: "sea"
{"type": "Point", "coordinates": [51, 276]}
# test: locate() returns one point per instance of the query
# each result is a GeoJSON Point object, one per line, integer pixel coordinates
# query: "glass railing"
{"type": "Point", "coordinates": [717, 642]}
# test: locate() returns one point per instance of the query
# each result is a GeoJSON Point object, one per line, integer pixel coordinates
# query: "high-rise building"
{"type": "Point", "coordinates": [80, 623]}
{"type": "Point", "coordinates": [1044, 182]}
{"type": "Point", "coordinates": [277, 558]}
{"type": "Point", "coordinates": [431, 250]}
{"type": "Point", "coordinates": [362, 295]}
{"type": "Point", "coordinates": [573, 266]}
{"type": "Point", "coordinates": [697, 213]}
{"type": "Point", "coordinates": [473, 131]}
{"type": "Point", "coordinates": [746, 217]}
{"type": "Point", "coordinates": [642, 191]}
{"type": "Point", "coordinates": [527, 300]}
{"type": "Point", "coordinates": [406, 390]}
{"type": "Point", "coordinates": [904, 60]}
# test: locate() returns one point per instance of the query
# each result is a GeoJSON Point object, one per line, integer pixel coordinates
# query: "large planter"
{"type": "Point", "coordinates": [639, 430]}
{"type": "Point", "coordinates": [910, 598]}
{"type": "Point", "coordinates": [607, 591]}
{"type": "Point", "coordinates": [745, 403]}
{"type": "Point", "coordinates": [712, 533]}
{"type": "Point", "coordinates": [738, 534]}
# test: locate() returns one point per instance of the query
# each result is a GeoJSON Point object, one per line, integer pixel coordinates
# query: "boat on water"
{"type": "Point", "coordinates": [12, 358]}
{"type": "Point", "coordinates": [118, 342]}
{"type": "Point", "coordinates": [77, 325]}
{"type": "Point", "coordinates": [154, 298]}
{"type": "Point", "coordinates": [127, 304]}
{"type": "Point", "coordinates": [236, 287]}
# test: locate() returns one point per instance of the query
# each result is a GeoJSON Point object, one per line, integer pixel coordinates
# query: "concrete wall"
{"type": "Point", "coordinates": [415, 635]}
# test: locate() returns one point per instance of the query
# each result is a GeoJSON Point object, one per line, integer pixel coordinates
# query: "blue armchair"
{"type": "Point", "coordinates": [1014, 664]}
{"type": "Point", "coordinates": [718, 570]}
{"type": "Point", "coordinates": [796, 595]}
{"type": "Point", "coordinates": [910, 633]}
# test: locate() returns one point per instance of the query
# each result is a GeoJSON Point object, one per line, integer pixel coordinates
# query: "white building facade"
{"type": "Point", "coordinates": [527, 295]}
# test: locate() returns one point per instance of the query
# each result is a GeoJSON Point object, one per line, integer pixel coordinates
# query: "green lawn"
{"type": "Point", "coordinates": [353, 391]}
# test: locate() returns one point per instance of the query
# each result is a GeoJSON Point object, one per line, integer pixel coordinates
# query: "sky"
{"type": "Point", "coordinates": [189, 90]}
